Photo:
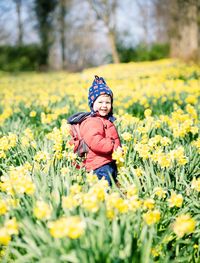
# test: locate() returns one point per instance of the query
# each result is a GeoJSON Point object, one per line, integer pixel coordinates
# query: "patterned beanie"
{"type": "Point", "coordinates": [98, 88]}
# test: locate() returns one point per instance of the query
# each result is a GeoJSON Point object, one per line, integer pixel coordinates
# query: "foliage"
{"type": "Point", "coordinates": [44, 13]}
{"type": "Point", "coordinates": [20, 58]}
{"type": "Point", "coordinates": [143, 53]}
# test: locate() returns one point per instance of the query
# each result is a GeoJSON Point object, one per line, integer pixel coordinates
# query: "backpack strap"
{"type": "Point", "coordinates": [78, 117]}
{"type": "Point", "coordinates": [76, 131]}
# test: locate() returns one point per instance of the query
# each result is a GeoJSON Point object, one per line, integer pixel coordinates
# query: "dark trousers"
{"type": "Point", "coordinates": [107, 171]}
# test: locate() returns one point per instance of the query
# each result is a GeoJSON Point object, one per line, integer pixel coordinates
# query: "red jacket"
{"type": "Point", "coordinates": [102, 139]}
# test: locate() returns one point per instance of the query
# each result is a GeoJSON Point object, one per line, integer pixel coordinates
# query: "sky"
{"type": "Point", "coordinates": [127, 22]}
{"type": "Point", "coordinates": [9, 21]}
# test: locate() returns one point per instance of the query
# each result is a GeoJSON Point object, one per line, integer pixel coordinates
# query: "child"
{"type": "Point", "coordinates": [99, 132]}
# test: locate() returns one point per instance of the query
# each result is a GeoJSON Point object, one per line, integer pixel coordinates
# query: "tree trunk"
{"type": "Point", "coordinates": [106, 11]}
{"type": "Point", "coordinates": [62, 31]}
{"type": "Point", "coordinates": [44, 11]}
{"type": "Point", "coordinates": [198, 24]}
{"type": "Point", "coordinates": [112, 41]}
{"type": "Point", "coordinates": [19, 22]}
{"type": "Point", "coordinates": [184, 30]}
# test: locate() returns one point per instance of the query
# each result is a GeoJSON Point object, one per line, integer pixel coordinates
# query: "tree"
{"type": "Point", "coordinates": [18, 4]}
{"type": "Point", "coordinates": [161, 21]}
{"type": "Point", "coordinates": [182, 26]}
{"type": "Point", "coordinates": [44, 11]}
{"type": "Point", "coordinates": [198, 23]}
{"type": "Point", "coordinates": [82, 38]}
{"type": "Point", "coordinates": [63, 7]}
{"type": "Point", "coordinates": [106, 12]}
{"type": "Point", "coordinates": [145, 18]}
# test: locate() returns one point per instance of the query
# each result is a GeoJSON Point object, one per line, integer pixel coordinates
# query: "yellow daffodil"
{"type": "Point", "coordinates": [175, 200]}
{"type": "Point", "coordinates": [72, 227]}
{"type": "Point", "coordinates": [151, 217]}
{"type": "Point", "coordinates": [42, 210]}
{"type": "Point", "coordinates": [184, 224]}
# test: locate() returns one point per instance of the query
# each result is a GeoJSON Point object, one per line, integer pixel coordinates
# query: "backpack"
{"type": "Point", "coordinates": [80, 146]}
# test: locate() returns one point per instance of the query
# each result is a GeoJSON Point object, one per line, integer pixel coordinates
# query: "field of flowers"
{"type": "Point", "coordinates": [52, 212]}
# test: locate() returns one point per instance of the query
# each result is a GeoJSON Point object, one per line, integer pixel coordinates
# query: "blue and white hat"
{"type": "Point", "coordinates": [99, 87]}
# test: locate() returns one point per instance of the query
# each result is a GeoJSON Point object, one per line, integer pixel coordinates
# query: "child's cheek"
{"type": "Point", "coordinates": [95, 107]}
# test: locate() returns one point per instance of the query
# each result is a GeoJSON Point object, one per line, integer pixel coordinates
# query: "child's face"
{"type": "Point", "coordinates": [103, 105]}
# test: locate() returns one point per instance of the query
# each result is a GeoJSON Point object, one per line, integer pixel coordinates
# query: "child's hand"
{"type": "Point", "coordinates": [120, 149]}
{"type": "Point", "coordinates": [118, 155]}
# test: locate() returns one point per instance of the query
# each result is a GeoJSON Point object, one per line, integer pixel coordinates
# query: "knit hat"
{"type": "Point", "coordinates": [98, 88]}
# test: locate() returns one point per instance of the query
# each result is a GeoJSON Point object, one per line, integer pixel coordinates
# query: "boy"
{"type": "Point", "coordinates": [99, 132]}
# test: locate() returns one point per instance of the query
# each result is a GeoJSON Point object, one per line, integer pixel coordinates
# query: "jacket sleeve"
{"type": "Point", "coordinates": [93, 133]}
{"type": "Point", "coordinates": [117, 143]}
